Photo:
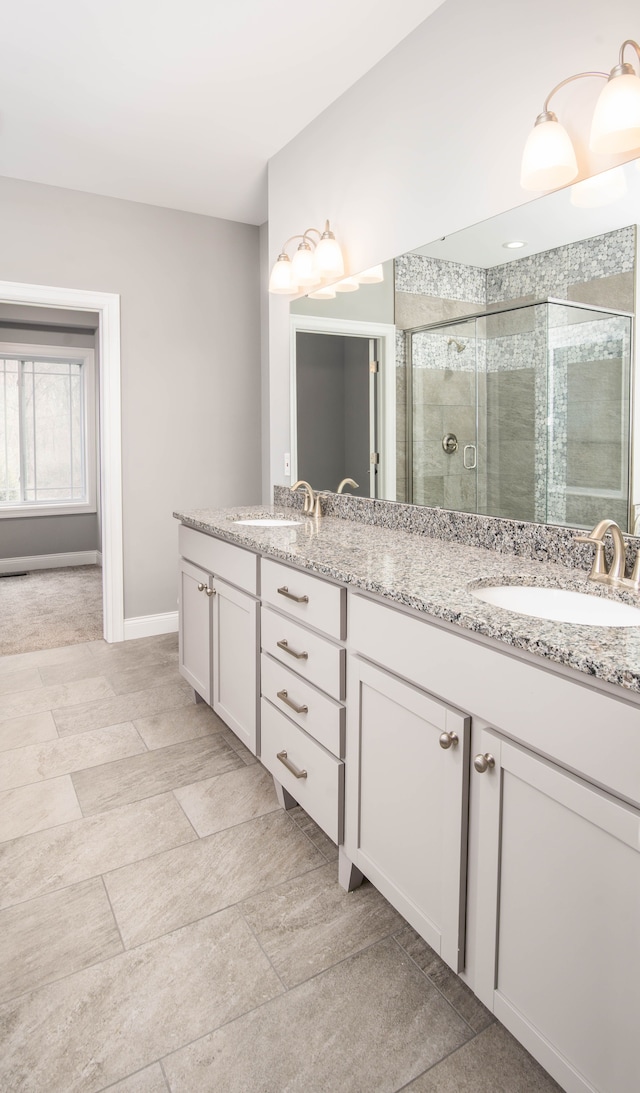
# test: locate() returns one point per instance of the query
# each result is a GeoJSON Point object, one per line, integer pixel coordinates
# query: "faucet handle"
{"type": "Point", "coordinates": [598, 569]}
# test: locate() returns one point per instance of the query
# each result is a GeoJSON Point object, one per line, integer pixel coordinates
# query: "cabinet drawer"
{"type": "Point", "coordinates": [321, 791]}
{"type": "Point", "coordinates": [231, 563]}
{"type": "Point", "coordinates": [322, 717]}
{"type": "Point", "coordinates": [320, 604]}
{"type": "Point", "coordinates": [309, 655]}
{"type": "Point", "coordinates": [564, 720]}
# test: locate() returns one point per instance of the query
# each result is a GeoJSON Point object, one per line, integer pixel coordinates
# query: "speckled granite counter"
{"type": "Point", "coordinates": [434, 577]}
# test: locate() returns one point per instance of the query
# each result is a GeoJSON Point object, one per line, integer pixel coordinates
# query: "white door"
{"type": "Point", "coordinates": [194, 632]}
{"type": "Point", "coordinates": [559, 910]}
{"type": "Point", "coordinates": [235, 661]}
{"type": "Point", "coordinates": [406, 793]}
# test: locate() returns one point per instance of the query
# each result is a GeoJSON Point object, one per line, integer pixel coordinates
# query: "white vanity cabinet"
{"type": "Point", "coordinates": [218, 629]}
{"type": "Point", "coordinates": [557, 914]}
{"type": "Point", "coordinates": [303, 687]}
{"type": "Point", "coordinates": [553, 860]}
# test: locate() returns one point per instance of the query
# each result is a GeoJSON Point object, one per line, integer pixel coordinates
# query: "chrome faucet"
{"type": "Point", "coordinates": [615, 574]}
{"type": "Point", "coordinates": [310, 499]}
{"type": "Point", "coordinates": [347, 482]}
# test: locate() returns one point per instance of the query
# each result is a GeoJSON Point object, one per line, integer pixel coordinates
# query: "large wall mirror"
{"type": "Point", "coordinates": [493, 371]}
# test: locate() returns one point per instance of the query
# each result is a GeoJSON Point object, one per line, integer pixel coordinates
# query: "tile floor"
{"type": "Point", "coordinates": [164, 926]}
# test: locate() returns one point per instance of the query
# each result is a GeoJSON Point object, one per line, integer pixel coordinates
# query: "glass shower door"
{"type": "Point", "coordinates": [442, 416]}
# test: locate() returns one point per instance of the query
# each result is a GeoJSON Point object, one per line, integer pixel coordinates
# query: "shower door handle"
{"type": "Point", "coordinates": [469, 457]}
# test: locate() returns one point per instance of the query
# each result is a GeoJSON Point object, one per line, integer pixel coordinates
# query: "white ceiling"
{"type": "Point", "coordinates": [178, 103]}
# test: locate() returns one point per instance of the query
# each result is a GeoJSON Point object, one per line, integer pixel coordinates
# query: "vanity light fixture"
{"type": "Point", "coordinates": [347, 284]}
{"type": "Point", "coordinates": [549, 159]}
{"type": "Point", "coordinates": [327, 292]}
{"type": "Point", "coordinates": [315, 261]}
{"type": "Point", "coordinates": [599, 190]}
{"type": "Point", "coordinates": [373, 276]}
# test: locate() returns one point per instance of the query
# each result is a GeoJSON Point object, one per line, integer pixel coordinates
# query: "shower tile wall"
{"type": "Point", "coordinates": [430, 290]}
{"type": "Point", "coordinates": [512, 368]}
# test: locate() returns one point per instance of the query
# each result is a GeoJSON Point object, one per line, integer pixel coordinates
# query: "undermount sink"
{"type": "Point", "coordinates": [269, 522]}
{"type": "Point", "coordinates": [559, 605]}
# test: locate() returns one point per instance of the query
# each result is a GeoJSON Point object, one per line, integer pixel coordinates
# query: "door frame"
{"type": "Point", "coordinates": [107, 305]}
{"type": "Point", "coordinates": [385, 334]}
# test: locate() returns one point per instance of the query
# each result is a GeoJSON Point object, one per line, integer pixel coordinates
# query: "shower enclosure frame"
{"type": "Point", "coordinates": [473, 316]}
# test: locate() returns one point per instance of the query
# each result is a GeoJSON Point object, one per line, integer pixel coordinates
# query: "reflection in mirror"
{"type": "Point", "coordinates": [506, 376]}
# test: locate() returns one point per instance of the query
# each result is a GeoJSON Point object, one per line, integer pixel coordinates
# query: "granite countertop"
{"type": "Point", "coordinates": [435, 577]}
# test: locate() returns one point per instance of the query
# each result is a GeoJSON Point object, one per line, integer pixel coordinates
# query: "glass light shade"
{"type": "Point", "coordinates": [282, 281]}
{"type": "Point", "coordinates": [348, 284]}
{"type": "Point", "coordinates": [371, 276]}
{"type": "Point", "coordinates": [326, 293]}
{"type": "Point", "coordinates": [548, 160]}
{"type": "Point", "coordinates": [303, 267]}
{"type": "Point", "coordinates": [600, 190]}
{"type": "Point", "coordinates": [616, 119]}
{"type": "Point", "coordinates": [328, 257]}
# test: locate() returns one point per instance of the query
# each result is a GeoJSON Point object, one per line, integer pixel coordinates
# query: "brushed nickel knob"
{"type": "Point", "coordinates": [210, 591]}
{"type": "Point", "coordinates": [484, 762]}
{"type": "Point", "coordinates": [447, 739]}
{"type": "Point", "coordinates": [201, 587]}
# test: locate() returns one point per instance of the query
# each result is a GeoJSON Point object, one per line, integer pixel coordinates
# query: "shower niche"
{"type": "Point", "coordinates": [521, 412]}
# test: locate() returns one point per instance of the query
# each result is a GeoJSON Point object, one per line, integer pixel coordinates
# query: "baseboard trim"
{"type": "Point", "coordinates": [147, 626]}
{"type": "Point", "coordinates": [50, 561]}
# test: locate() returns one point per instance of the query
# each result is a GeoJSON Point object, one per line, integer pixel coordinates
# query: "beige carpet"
{"type": "Point", "coordinates": [50, 607]}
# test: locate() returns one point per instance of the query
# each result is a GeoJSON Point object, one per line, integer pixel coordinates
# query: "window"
{"type": "Point", "coordinates": [47, 434]}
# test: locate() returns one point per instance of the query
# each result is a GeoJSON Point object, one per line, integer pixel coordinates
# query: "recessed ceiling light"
{"type": "Point", "coordinates": [514, 244]}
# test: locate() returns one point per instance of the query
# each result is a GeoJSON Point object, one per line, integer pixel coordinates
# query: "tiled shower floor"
{"type": "Point", "coordinates": [165, 926]}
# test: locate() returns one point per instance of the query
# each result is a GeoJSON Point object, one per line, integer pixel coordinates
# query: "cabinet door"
{"type": "Point", "coordinates": [559, 908]}
{"type": "Point", "coordinates": [235, 661]}
{"type": "Point", "coordinates": [406, 794]}
{"type": "Point", "coordinates": [194, 631]}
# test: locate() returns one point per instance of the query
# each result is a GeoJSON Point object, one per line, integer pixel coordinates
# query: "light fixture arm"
{"type": "Point", "coordinates": [634, 45]}
{"type": "Point", "coordinates": [569, 79]}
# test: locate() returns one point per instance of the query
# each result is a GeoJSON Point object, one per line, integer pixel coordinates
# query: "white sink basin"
{"type": "Point", "coordinates": [269, 522]}
{"type": "Point", "coordinates": [559, 605]}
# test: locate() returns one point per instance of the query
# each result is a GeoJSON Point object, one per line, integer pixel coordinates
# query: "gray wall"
{"type": "Point", "coordinates": [320, 399]}
{"type": "Point", "coordinates": [35, 535]}
{"type": "Point", "coordinates": [190, 354]}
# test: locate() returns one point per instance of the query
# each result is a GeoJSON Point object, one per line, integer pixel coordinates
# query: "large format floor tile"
{"type": "Point", "coordinates": [216, 803]}
{"type": "Point", "coordinates": [206, 876]}
{"type": "Point", "coordinates": [30, 729]}
{"type": "Point", "coordinates": [64, 654]}
{"type": "Point", "coordinates": [149, 1080]}
{"type": "Point", "coordinates": [492, 1063]}
{"type": "Point", "coordinates": [54, 935]}
{"type": "Point", "coordinates": [22, 679]}
{"type": "Point", "coordinates": [154, 772]}
{"type": "Point", "coordinates": [63, 756]}
{"type": "Point", "coordinates": [61, 695]}
{"type": "Point", "coordinates": [448, 983]}
{"type": "Point", "coordinates": [102, 1024]}
{"type": "Point", "coordinates": [177, 725]}
{"type": "Point", "coordinates": [114, 711]}
{"type": "Point", "coordinates": [36, 807]}
{"type": "Point", "coordinates": [372, 1023]}
{"type": "Point", "coordinates": [48, 860]}
{"type": "Point", "coordinates": [310, 923]}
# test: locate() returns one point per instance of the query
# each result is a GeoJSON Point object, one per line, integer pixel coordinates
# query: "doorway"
{"type": "Point", "coordinates": [343, 421]}
{"type": "Point", "coordinates": [107, 308]}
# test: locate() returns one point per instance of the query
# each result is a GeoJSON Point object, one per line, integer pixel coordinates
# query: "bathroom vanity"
{"type": "Point", "coordinates": [481, 768]}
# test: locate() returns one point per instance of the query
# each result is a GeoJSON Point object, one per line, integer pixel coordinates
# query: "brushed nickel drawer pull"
{"type": "Point", "coordinates": [210, 592]}
{"type": "Point", "coordinates": [201, 586]}
{"type": "Point", "coordinates": [284, 591]}
{"type": "Point", "coordinates": [282, 756]}
{"type": "Point", "coordinates": [284, 644]}
{"type": "Point", "coordinates": [289, 702]}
